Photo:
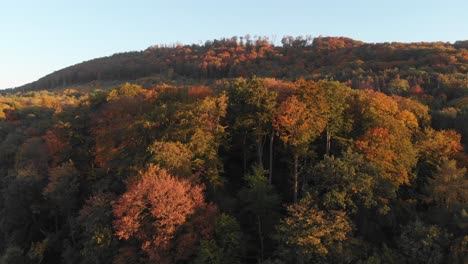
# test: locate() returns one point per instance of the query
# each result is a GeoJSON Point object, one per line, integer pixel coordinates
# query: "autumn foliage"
{"type": "Point", "coordinates": [325, 150]}
{"type": "Point", "coordinates": [153, 209]}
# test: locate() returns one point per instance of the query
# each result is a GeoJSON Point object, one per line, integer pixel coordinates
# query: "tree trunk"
{"type": "Point", "coordinates": [296, 176]}
{"type": "Point", "coordinates": [244, 155]}
{"type": "Point", "coordinates": [260, 235]}
{"type": "Point", "coordinates": [71, 230]}
{"type": "Point", "coordinates": [56, 223]}
{"type": "Point", "coordinates": [260, 152]}
{"type": "Point", "coordinates": [270, 172]}
{"type": "Point", "coordinates": [328, 142]}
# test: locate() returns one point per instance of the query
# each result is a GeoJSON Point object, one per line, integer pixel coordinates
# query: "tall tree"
{"type": "Point", "coordinates": [98, 244]}
{"type": "Point", "coordinates": [449, 184]}
{"type": "Point", "coordinates": [336, 95]}
{"type": "Point", "coordinates": [206, 137]}
{"type": "Point", "coordinates": [260, 204]}
{"type": "Point", "coordinates": [297, 124]}
{"type": "Point", "coordinates": [252, 106]}
{"type": "Point", "coordinates": [61, 193]}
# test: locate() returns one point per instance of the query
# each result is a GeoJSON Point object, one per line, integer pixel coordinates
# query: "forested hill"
{"type": "Point", "coordinates": [425, 66]}
{"type": "Point", "coordinates": [162, 156]}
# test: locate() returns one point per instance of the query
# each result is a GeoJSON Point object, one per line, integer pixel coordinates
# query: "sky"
{"type": "Point", "coordinates": [38, 37]}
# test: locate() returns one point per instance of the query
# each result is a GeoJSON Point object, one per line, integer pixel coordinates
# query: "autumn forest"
{"type": "Point", "coordinates": [241, 150]}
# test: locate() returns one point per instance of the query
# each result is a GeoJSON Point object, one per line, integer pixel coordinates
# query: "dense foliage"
{"type": "Point", "coordinates": [188, 165]}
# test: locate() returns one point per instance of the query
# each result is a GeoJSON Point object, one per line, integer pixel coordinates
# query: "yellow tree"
{"type": "Point", "coordinates": [336, 95]}
{"type": "Point", "coordinates": [450, 184]}
{"type": "Point", "coordinates": [308, 233]}
{"type": "Point", "coordinates": [395, 156]}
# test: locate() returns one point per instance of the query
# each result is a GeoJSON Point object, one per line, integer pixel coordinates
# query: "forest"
{"type": "Point", "coordinates": [240, 150]}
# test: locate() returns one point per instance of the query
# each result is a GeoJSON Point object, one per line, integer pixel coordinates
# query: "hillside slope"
{"type": "Point", "coordinates": [361, 65]}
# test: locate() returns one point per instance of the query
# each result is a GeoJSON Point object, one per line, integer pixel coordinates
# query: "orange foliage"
{"type": "Point", "coordinates": [416, 90]}
{"type": "Point", "coordinates": [438, 145]}
{"type": "Point", "coordinates": [199, 92]}
{"type": "Point", "coordinates": [394, 158]}
{"type": "Point", "coordinates": [155, 207]}
{"type": "Point", "coordinates": [293, 122]}
{"type": "Point", "coordinates": [55, 146]}
{"type": "Point", "coordinates": [117, 130]}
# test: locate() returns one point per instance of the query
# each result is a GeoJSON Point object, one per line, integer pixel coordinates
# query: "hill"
{"type": "Point", "coordinates": [361, 65]}
{"type": "Point", "coordinates": [325, 150]}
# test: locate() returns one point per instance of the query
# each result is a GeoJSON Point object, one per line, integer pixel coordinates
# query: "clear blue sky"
{"type": "Point", "coordinates": [38, 37]}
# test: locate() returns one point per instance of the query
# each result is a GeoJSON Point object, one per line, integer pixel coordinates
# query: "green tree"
{"type": "Point", "coordinates": [421, 243]}
{"type": "Point", "coordinates": [206, 137]}
{"type": "Point", "coordinates": [226, 247]}
{"type": "Point", "coordinates": [173, 156]}
{"type": "Point", "coordinates": [62, 190]}
{"type": "Point", "coordinates": [252, 106]}
{"type": "Point", "coordinates": [126, 89]}
{"type": "Point", "coordinates": [97, 241]}
{"type": "Point", "coordinates": [337, 96]}
{"type": "Point", "coordinates": [348, 183]}
{"type": "Point", "coordinates": [14, 255]}
{"type": "Point", "coordinates": [260, 204]}
{"type": "Point", "coordinates": [398, 86]}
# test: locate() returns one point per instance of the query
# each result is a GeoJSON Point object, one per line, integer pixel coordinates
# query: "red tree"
{"type": "Point", "coordinates": [155, 211]}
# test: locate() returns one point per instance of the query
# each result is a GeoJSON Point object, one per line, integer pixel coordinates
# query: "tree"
{"type": "Point", "coordinates": [121, 132]}
{"type": "Point", "coordinates": [337, 95]}
{"type": "Point", "coordinates": [13, 255]}
{"type": "Point", "coordinates": [308, 234]}
{"type": "Point", "coordinates": [57, 148]}
{"type": "Point", "coordinates": [398, 86]}
{"type": "Point", "coordinates": [31, 159]}
{"type": "Point", "coordinates": [297, 126]}
{"type": "Point", "coordinates": [260, 205]}
{"type": "Point", "coordinates": [449, 184]}
{"type": "Point", "coordinates": [4, 107]}
{"type": "Point", "coordinates": [348, 183]}
{"type": "Point", "coordinates": [420, 111]}
{"type": "Point", "coordinates": [61, 194]}
{"type": "Point", "coordinates": [252, 105]}
{"type": "Point", "coordinates": [173, 156]}
{"type": "Point", "coordinates": [226, 247]}
{"type": "Point", "coordinates": [62, 189]}
{"type": "Point", "coordinates": [421, 243]}
{"type": "Point", "coordinates": [435, 146]}
{"type": "Point", "coordinates": [206, 136]}
{"type": "Point", "coordinates": [152, 210]}
{"type": "Point", "coordinates": [126, 89]}
{"type": "Point", "coordinates": [369, 109]}
{"type": "Point", "coordinates": [395, 157]}
{"type": "Point", "coordinates": [21, 212]}
{"type": "Point", "coordinates": [98, 244]}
